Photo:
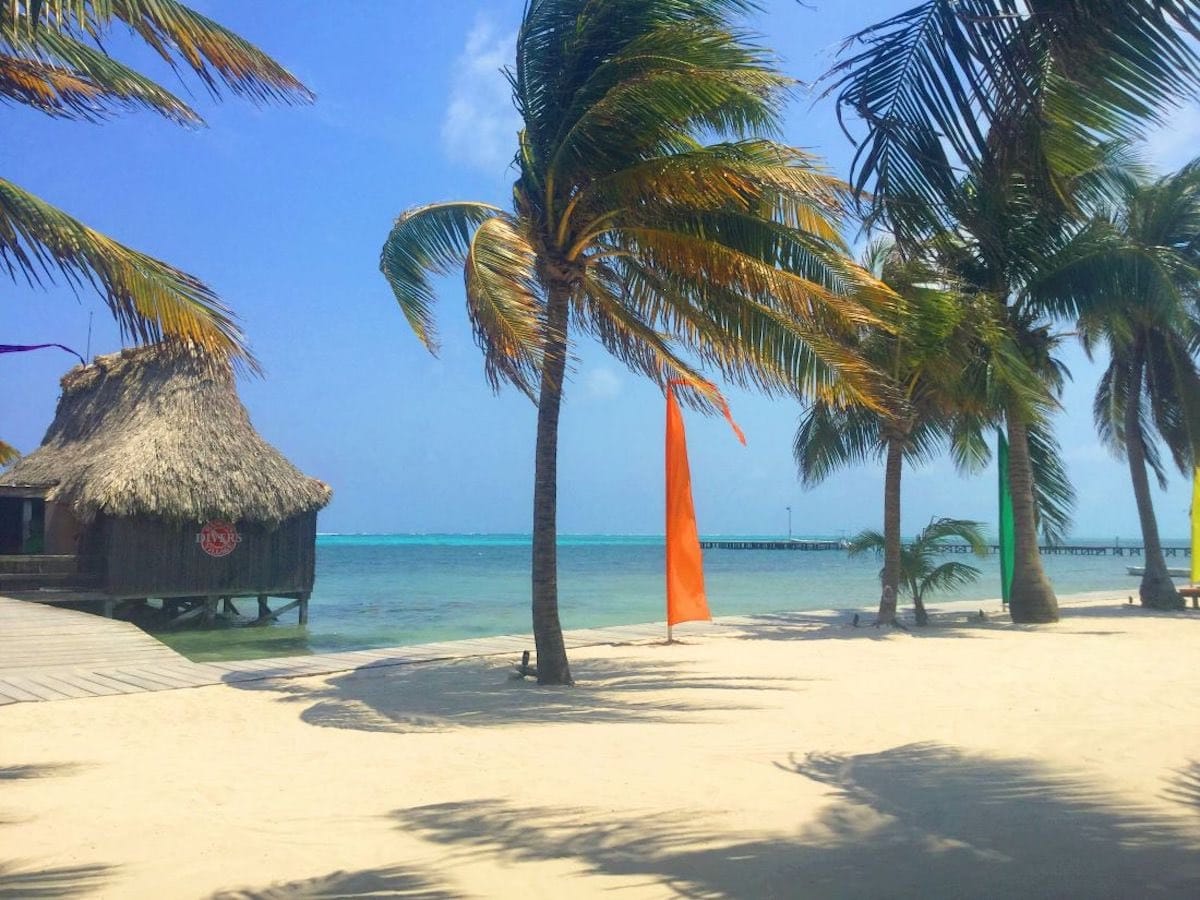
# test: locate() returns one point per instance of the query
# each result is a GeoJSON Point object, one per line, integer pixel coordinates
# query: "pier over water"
{"type": "Point", "coordinates": [1047, 550]}
{"type": "Point", "coordinates": [773, 545]}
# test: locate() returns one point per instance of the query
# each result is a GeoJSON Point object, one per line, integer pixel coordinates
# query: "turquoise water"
{"type": "Point", "coordinates": [391, 590]}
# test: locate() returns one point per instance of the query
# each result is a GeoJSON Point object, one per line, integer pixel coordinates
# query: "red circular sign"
{"type": "Point", "coordinates": [218, 538]}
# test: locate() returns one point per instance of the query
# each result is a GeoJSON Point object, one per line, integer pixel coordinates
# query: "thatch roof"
{"type": "Point", "coordinates": [153, 432]}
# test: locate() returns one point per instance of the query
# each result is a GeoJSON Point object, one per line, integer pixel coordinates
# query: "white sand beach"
{"type": "Point", "coordinates": [789, 756]}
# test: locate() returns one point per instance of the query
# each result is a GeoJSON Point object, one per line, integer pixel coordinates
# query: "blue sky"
{"type": "Point", "coordinates": [283, 210]}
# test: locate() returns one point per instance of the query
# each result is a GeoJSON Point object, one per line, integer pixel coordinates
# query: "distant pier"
{"type": "Point", "coordinates": [1047, 550]}
{"type": "Point", "coordinates": [773, 545]}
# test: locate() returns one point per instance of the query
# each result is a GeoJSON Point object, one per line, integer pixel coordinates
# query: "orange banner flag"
{"type": "Point", "coordinates": [686, 601]}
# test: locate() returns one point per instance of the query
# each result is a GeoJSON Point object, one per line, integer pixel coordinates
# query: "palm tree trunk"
{"type": "Point", "coordinates": [891, 532]}
{"type": "Point", "coordinates": [552, 667]}
{"type": "Point", "coordinates": [1157, 590]}
{"type": "Point", "coordinates": [1033, 599]}
{"type": "Point", "coordinates": [920, 613]}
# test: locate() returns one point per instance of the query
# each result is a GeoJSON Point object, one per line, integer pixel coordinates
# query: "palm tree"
{"type": "Point", "coordinates": [934, 358]}
{"type": "Point", "coordinates": [919, 571]}
{"type": "Point", "coordinates": [1018, 95]}
{"type": "Point", "coordinates": [52, 58]}
{"type": "Point", "coordinates": [673, 253]}
{"type": "Point", "coordinates": [1151, 387]}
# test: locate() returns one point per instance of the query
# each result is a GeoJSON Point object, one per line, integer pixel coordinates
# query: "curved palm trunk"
{"type": "Point", "coordinates": [1157, 590]}
{"type": "Point", "coordinates": [552, 667]}
{"type": "Point", "coordinates": [891, 531]}
{"type": "Point", "coordinates": [1033, 599]}
{"type": "Point", "coordinates": [922, 615]}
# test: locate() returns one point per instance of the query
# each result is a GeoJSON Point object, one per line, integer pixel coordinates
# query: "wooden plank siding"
{"type": "Point", "coordinates": [148, 558]}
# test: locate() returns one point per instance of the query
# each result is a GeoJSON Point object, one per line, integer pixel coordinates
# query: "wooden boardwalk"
{"type": "Point", "coordinates": [49, 653]}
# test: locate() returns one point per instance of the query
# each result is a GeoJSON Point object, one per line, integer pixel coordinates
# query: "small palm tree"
{"type": "Point", "coordinates": [1150, 390]}
{"type": "Point", "coordinates": [920, 573]}
{"type": "Point", "coordinates": [628, 227]}
{"type": "Point", "coordinates": [52, 58]}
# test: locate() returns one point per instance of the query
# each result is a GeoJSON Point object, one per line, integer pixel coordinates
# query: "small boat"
{"type": "Point", "coordinates": [1174, 573]}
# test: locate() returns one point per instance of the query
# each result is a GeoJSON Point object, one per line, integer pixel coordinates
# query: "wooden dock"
{"type": "Point", "coordinates": [773, 545]}
{"type": "Point", "coordinates": [1047, 549]}
{"type": "Point", "coordinates": [50, 653]}
{"type": "Point", "coordinates": [1078, 550]}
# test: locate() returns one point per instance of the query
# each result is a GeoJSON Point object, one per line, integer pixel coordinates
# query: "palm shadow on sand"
{"type": "Point", "coordinates": [24, 878]}
{"type": "Point", "coordinates": [921, 820]}
{"type": "Point", "coordinates": [20, 883]}
{"type": "Point", "coordinates": [478, 693]}
{"type": "Point", "coordinates": [393, 881]}
{"type": "Point", "coordinates": [807, 626]}
{"type": "Point", "coordinates": [1185, 786]}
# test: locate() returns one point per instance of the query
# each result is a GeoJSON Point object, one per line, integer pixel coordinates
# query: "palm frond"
{"type": "Point", "coordinates": [750, 342]}
{"type": "Point", "coordinates": [1096, 271]}
{"type": "Point", "coordinates": [969, 448]}
{"type": "Point", "coordinates": [777, 266]}
{"type": "Point", "coordinates": [609, 318]}
{"type": "Point", "coordinates": [770, 180]}
{"type": "Point", "coordinates": [1173, 395]}
{"type": "Point", "coordinates": [866, 541]}
{"type": "Point", "coordinates": [57, 74]}
{"type": "Point", "coordinates": [504, 306]}
{"type": "Point", "coordinates": [178, 34]}
{"type": "Point", "coordinates": [1108, 406]}
{"type": "Point", "coordinates": [569, 55]}
{"type": "Point", "coordinates": [8, 453]}
{"type": "Point", "coordinates": [962, 82]}
{"type": "Point", "coordinates": [149, 298]}
{"type": "Point", "coordinates": [1053, 494]}
{"type": "Point", "coordinates": [830, 438]}
{"type": "Point", "coordinates": [965, 530]}
{"type": "Point", "coordinates": [428, 240]}
{"type": "Point", "coordinates": [949, 576]}
{"type": "Point", "coordinates": [919, 570]}
{"type": "Point", "coordinates": [673, 79]}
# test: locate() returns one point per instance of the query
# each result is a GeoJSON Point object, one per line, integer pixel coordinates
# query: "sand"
{"type": "Point", "coordinates": [792, 756]}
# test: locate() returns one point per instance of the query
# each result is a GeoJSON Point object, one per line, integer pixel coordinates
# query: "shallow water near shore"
{"type": "Point", "coordinates": [393, 590]}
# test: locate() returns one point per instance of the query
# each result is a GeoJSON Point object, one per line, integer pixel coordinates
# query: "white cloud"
{"type": "Point", "coordinates": [480, 125]}
{"type": "Point", "coordinates": [602, 384]}
{"type": "Point", "coordinates": [1177, 142]}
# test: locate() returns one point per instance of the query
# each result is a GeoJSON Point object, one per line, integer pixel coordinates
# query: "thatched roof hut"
{"type": "Point", "coordinates": [152, 433]}
{"type": "Point", "coordinates": [153, 483]}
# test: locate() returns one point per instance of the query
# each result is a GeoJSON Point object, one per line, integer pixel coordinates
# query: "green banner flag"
{"type": "Point", "coordinates": [1007, 534]}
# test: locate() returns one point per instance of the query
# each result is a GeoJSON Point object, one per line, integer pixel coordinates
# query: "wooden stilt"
{"type": "Point", "coordinates": [228, 607]}
{"type": "Point", "coordinates": [263, 608]}
{"type": "Point", "coordinates": [210, 611]}
{"type": "Point", "coordinates": [195, 610]}
{"type": "Point", "coordinates": [304, 609]}
{"type": "Point", "coordinates": [272, 616]}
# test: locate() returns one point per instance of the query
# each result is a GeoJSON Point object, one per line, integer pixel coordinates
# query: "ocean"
{"type": "Point", "coordinates": [397, 589]}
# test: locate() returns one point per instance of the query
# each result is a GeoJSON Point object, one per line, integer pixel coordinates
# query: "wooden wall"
{"type": "Point", "coordinates": [150, 558]}
{"type": "Point", "coordinates": [62, 529]}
